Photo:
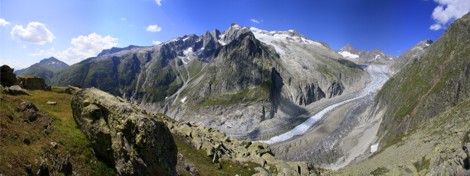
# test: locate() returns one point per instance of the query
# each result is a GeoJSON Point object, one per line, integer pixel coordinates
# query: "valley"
{"type": "Point", "coordinates": [328, 130]}
{"type": "Point", "coordinates": [242, 101]}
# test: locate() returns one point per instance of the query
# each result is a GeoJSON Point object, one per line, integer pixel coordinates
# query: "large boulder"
{"type": "Point", "coordinates": [7, 77]}
{"type": "Point", "coordinates": [15, 90]}
{"type": "Point", "coordinates": [32, 82]}
{"type": "Point", "coordinates": [123, 135]}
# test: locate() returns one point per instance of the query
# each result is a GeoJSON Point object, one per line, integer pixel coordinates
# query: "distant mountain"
{"type": "Point", "coordinates": [411, 55]}
{"type": "Point", "coordinates": [360, 56]}
{"type": "Point", "coordinates": [208, 79]}
{"type": "Point", "coordinates": [114, 50]}
{"type": "Point", "coordinates": [45, 69]}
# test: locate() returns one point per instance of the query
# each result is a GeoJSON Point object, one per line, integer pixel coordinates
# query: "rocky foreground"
{"type": "Point", "coordinates": [138, 144]}
{"type": "Point", "coordinates": [123, 135]}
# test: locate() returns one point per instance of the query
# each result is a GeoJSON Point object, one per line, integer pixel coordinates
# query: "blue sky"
{"type": "Point", "coordinates": [73, 30]}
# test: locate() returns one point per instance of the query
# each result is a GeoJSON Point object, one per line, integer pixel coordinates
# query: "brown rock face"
{"type": "Point", "coordinates": [123, 135]}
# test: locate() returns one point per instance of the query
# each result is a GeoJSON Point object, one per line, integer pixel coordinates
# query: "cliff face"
{"type": "Point", "coordinates": [123, 135]}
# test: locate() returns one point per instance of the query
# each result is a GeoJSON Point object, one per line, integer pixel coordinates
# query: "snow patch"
{"type": "Point", "coordinates": [374, 147]}
{"type": "Point", "coordinates": [376, 57]}
{"type": "Point", "coordinates": [279, 39]}
{"type": "Point", "coordinates": [221, 39]}
{"type": "Point", "coordinates": [184, 100]}
{"type": "Point", "coordinates": [348, 55]}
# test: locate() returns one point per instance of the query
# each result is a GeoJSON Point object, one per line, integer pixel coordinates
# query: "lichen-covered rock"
{"type": "Point", "coordinates": [123, 135]}
{"type": "Point", "coordinates": [15, 90]}
{"type": "Point", "coordinates": [32, 82]}
{"type": "Point", "coordinates": [220, 147]}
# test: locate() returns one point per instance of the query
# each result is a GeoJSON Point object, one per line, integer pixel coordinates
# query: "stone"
{"type": "Point", "coordinates": [26, 141]}
{"type": "Point", "coordinates": [66, 167]}
{"type": "Point", "coordinates": [122, 135]}
{"type": "Point", "coordinates": [32, 83]}
{"type": "Point", "coordinates": [7, 77]}
{"type": "Point", "coordinates": [54, 145]}
{"type": "Point", "coordinates": [261, 172]}
{"type": "Point", "coordinates": [15, 90]}
{"type": "Point", "coordinates": [71, 90]}
{"type": "Point", "coordinates": [27, 105]}
{"type": "Point", "coordinates": [51, 103]}
{"type": "Point", "coordinates": [43, 169]}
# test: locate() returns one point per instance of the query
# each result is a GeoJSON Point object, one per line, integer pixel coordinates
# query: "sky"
{"type": "Point", "coordinates": [73, 30]}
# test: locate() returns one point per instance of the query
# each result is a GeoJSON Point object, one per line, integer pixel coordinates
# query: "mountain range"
{"type": "Point", "coordinates": [376, 56]}
{"type": "Point", "coordinates": [207, 79]}
{"type": "Point", "coordinates": [45, 69]}
{"type": "Point", "coordinates": [258, 84]}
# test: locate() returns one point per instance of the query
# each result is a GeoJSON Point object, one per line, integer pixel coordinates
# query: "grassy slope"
{"type": "Point", "coordinates": [429, 86]}
{"type": "Point", "coordinates": [15, 155]}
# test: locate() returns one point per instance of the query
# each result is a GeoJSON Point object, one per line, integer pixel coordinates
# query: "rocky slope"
{"type": "Point", "coordinates": [365, 57]}
{"type": "Point", "coordinates": [411, 55]}
{"type": "Point", "coordinates": [425, 112]}
{"type": "Point", "coordinates": [428, 86]}
{"type": "Point", "coordinates": [137, 143]}
{"type": "Point", "coordinates": [44, 69]}
{"type": "Point", "coordinates": [123, 135]}
{"type": "Point", "coordinates": [207, 79]}
{"type": "Point", "coordinates": [437, 147]}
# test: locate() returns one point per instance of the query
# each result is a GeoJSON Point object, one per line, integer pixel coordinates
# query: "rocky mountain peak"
{"type": "Point", "coordinates": [116, 50]}
{"type": "Point", "coordinates": [365, 56]}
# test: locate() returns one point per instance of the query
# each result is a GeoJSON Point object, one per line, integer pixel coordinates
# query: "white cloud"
{"type": "Point", "coordinates": [4, 22]}
{"type": "Point", "coordinates": [82, 47]}
{"type": "Point", "coordinates": [156, 42]}
{"type": "Point", "coordinates": [123, 19]}
{"type": "Point", "coordinates": [256, 21]}
{"type": "Point", "coordinates": [159, 2]}
{"type": "Point", "coordinates": [35, 32]}
{"type": "Point", "coordinates": [15, 63]}
{"type": "Point", "coordinates": [154, 28]}
{"type": "Point", "coordinates": [447, 11]}
{"type": "Point", "coordinates": [435, 27]}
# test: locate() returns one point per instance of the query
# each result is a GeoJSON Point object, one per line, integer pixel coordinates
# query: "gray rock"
{"type": "Point", "coordinates": [51, 103]}
{"type": "Point", "coordinates": [15, 90]}
{"type": "Point", "coordinates": [32, 83]}
{"type": "Point", "coordinates": [123, 136]}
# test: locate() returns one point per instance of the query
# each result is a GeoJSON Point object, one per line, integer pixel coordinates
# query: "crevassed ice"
{"type": "Point", "coordinates": [378, 78]}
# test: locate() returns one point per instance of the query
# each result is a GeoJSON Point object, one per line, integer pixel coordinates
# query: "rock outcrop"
{"type": "Point", "coordinates": [15, 90]}
{"type": "Point", "coordinates": [123, 135]}
{"type": "Point", "coordinates": [32, 82]}
{"type": "Point", "coordinates": [219, 147]}
{"type": "Point", "coordinates": [7, 77]}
